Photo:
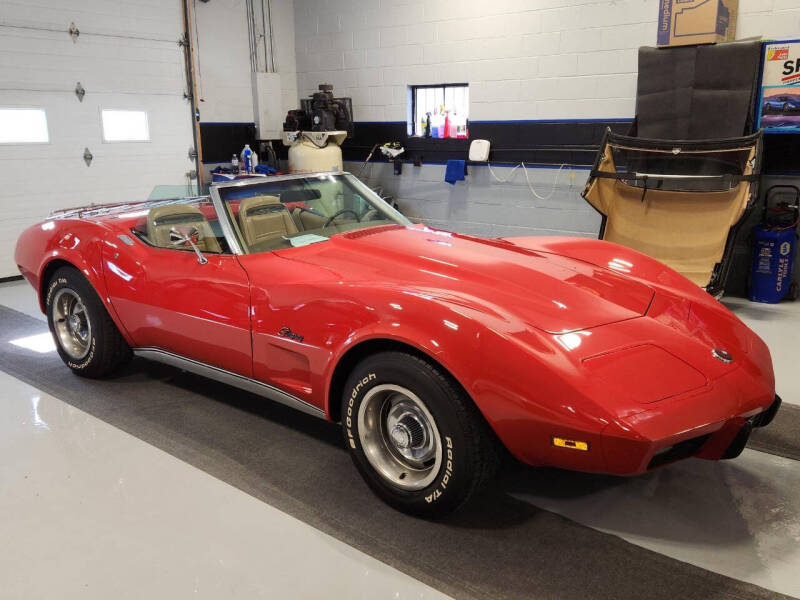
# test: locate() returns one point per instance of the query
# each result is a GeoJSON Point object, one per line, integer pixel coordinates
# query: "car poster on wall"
{"type": "Point", "coordinates": [779, 104]}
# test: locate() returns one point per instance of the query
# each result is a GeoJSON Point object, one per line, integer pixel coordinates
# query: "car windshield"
{"type": "Point", "coordinates": [297, 211]}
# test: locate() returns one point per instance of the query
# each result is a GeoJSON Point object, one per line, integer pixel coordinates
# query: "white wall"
{"type": "Point", "coordinates": [222, 59]}
{"type": "Point", "coordinates": [523, 59]}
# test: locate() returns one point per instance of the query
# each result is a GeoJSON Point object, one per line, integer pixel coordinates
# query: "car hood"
{"type": "Point", "coordinates": [547, 291]}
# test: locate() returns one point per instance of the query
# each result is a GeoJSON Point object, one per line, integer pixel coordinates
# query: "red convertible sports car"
{"type": "Point", "coordinates": [434, 350]}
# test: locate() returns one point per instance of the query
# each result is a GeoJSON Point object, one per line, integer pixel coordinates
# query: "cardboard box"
{"type": "Point", "coordinates": [684, 22]}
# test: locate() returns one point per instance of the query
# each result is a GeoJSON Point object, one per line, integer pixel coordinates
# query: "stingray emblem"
{"type": "Point", "coordinates": [288, 333]}
{"type": "Point", "coordinates": [722, 355]}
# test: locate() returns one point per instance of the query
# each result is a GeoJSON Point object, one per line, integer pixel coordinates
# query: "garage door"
{"type": "Point", "coordinates": [127, 59]}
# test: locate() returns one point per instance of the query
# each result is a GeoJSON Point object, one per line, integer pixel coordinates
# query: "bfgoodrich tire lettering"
{"type": "Point", "coordinates": [98, 347]}
{"type": "Point", "coordinates": [430, 413]}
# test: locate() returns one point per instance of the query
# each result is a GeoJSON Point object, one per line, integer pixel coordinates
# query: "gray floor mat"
{"type": "Point", "coordinates": [498, 548]}
{"type": "Point", "coordinates": [782, 436]}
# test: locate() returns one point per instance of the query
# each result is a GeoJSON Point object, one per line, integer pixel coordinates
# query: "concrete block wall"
{"type": "Point", "coordinates": [523, 60]}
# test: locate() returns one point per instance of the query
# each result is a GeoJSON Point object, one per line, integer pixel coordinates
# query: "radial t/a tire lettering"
{"type": "Point", "coordinates": [417, 439]}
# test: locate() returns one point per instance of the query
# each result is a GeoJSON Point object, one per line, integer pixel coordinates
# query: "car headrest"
{"type": "Point", "coordinates": [260, 205]}
{"type": "Point", "coordinates": [263, 218]}
{"type": "Point", "coordinates": [163, 218]}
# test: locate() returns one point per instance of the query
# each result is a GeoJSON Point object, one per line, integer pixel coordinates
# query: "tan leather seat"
{"type": "Point", "coordinates": [163, 218]}
{"type": "Point", "coordinates": [263, 218]}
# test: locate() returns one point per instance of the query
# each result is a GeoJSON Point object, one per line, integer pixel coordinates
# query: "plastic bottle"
{"type": "Point", "coordinates": [247, 159]}
{"type": "Point", "coordinates": [460, 126]}
{"type": "Point", "coordinates": [447, 124]}
{"type": "Point", "coordinates": [436, 124]}
{"type": "Point", "coordinates": [235, 165]}
{"type": "Point", "coordinates": [453, 129]}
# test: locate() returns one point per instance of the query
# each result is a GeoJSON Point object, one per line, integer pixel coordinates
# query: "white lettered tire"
{"type": "Point", "coordinates": [415, 436]}
{"type": "Point", "coordinates": [86, 338]}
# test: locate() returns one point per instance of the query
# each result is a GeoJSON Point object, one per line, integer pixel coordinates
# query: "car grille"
{"type": "Point", "coordinates": [681, 450]}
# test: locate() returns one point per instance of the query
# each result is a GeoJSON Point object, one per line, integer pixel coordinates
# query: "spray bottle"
{"type": "Point", "coordinates": [249, 159]}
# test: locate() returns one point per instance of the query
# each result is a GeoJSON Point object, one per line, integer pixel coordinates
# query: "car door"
{"type": "Point", "coordinates": [292, 325]}
{"type": "Point", "coordinates": [171, 298]}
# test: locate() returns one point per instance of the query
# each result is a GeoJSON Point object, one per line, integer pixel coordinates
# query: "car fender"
{"type": "Point", "coordinates": [492, 357]}
{"type": "Point", "coordinates": [453, 345]}
{"type": "Point", "coordinates": [78, 243]}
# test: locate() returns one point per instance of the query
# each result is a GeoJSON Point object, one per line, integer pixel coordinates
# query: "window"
{"type": "Point", "coordinates": [23, 126]}
{"type": "Point", "coordinates": [447, 105]}
{"type": "Point", "coordinates": [125, 126]}
{"type": "Point", "coordinates": [181, 225]}
{"type": "Point", "coordinates": [272, 215]}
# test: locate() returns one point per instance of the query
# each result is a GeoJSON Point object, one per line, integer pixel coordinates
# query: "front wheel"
{"type": "Point", "coordinates": [416, 438]}
{"type": "Point", "coordinates": [86, 338]}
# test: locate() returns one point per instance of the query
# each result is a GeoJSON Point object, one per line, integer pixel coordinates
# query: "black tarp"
{"type": "Point", "coordinates": [697, 92]}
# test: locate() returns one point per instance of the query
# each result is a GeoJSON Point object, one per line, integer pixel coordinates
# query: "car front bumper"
{"type": "Point", "coordinates": [720, 440]}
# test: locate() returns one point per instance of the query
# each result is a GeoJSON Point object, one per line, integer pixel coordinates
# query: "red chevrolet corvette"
{"type": "Point", "coordinates": [434, 350]}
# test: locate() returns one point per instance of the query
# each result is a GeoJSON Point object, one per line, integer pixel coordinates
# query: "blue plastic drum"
{"type": "Point", "coordinates": [771, 273]}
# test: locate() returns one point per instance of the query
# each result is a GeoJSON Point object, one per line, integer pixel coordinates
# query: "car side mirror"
{"type": "Point", "coordinates": [183, 235]}
{"type": "Point", "coordinates": [188, 234]}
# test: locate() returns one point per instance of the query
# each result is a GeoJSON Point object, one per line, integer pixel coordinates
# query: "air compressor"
{"type": "Point", "coordinates": [315, 132]}
{"type": "Point", "coordinates": [774, 247]}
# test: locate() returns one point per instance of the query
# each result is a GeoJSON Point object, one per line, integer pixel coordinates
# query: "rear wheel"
{"type": "Point", "coordinates": [86, 338]}
{"type": "Point", "coordinates": [416, 438]}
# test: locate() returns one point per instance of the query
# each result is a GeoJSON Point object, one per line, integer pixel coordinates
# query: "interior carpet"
{"type": "Point", "coordinates": [498, 547]}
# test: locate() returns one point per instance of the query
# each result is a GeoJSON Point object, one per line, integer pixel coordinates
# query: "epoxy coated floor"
{"type": "Point", "coordinates": [88, 511]}
{"type": "Point", "coordinates": [740, 518]}
{"type": "Point", "coordinates": [21, 296]}
{"type": "Point", "coordinates": [778, 325]}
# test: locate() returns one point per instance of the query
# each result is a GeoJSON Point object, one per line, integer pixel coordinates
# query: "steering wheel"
{"type": "Point", "coordinates": [341, 212]}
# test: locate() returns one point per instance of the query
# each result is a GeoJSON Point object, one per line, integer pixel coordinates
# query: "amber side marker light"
{"type": "Point", "coordinates": [571, 444]}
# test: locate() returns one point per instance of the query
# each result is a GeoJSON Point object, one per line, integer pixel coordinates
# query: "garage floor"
{"type": "Point", "coordinates": [158, 483]}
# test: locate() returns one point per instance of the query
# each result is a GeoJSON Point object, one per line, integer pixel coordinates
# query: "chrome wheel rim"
{"type": "Point", "coordinates": [399, 437]}
{"type": "Point", "coordinates": [71, 322]}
